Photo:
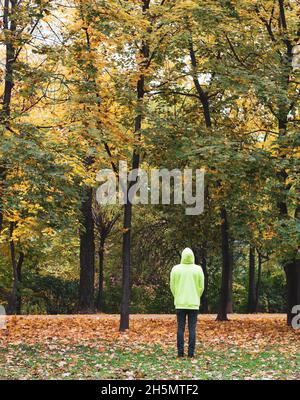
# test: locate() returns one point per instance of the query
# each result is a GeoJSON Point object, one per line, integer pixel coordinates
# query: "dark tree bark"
{"type": "Point", "coordinates": [8, 25]}
{"type": "Point", "coordinates": [204, 298]}
{"type": "Point", "coordinates": [292, 272]}
{"type": "Point", "coordinates": [87, 255]}
{"type": "Point", "coordinates": [100, 296]}
{"type": "Point", "coordinates": [229, 307]}
{"type": "Point", "coordinates": [126, 258]}
{"type": "Point", "coordinates": [203, 96]}
{"type": "Point", "coordinates": [251, 285]}
{"type": "Point", "coordinates": [19, 273]}
{"type": "Point", "coordinates": [226, 267]}
{"type": "Point", "coordinates": [201, 259]}
{"type": "Point", "coordinates": [2, 183]}
{"type": "Point", "coordinates": [14, 300]}
{"type": "Point", "coordinates": [258, 282]}
{"type": "Point", "coordinates": [230, 279]}
{"type": "Point", "coordinates": [126, 247]}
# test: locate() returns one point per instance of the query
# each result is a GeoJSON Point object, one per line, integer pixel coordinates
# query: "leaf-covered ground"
{"type": "Point", "coordinates": [90, 347]}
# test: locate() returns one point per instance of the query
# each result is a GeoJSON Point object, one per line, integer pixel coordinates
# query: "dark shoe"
{"type": "Point", "coordinates": [180, 355]}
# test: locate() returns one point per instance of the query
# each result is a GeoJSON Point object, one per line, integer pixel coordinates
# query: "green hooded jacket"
{"type": "Point", "coordinates": [187, 282]}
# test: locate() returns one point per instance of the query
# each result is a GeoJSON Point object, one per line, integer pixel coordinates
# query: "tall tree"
{"type": "Point", "coordinates": [225, 240]}
{"type": "Point", "coordinates": [281, 37]}
{"type": "Point", "coordinates": [251, 285]}
{"type": "Point", "coordinates": [135, 163]}
{"type": "Point", "coordinates": [20, 20]}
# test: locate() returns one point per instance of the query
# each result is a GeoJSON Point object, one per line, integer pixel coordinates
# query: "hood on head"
{"type": "Point", "coordinates": [187, 256]}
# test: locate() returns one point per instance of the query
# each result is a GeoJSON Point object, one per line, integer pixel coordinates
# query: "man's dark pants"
{"type": "Point", "coordinates": [192, 321]}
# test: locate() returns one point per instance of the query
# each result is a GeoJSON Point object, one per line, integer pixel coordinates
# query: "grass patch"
{"type": "Point", "coordinates": [140, 361]}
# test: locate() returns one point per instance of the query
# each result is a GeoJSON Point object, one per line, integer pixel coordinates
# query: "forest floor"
{"type": "Point", "coordinates": [257, 346]}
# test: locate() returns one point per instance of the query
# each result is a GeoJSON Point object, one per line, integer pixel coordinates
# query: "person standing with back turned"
{"type": "Point", "coordinates": [187, 285]}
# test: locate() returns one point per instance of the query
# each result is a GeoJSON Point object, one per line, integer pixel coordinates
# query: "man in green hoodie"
{"type": "Point", "coordinates": [187, 285]}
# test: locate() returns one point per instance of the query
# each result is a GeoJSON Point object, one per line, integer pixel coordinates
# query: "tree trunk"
{"type": "Point", "coordinates": [292, 271]}
{"type": "Point", "coordinates": [258, 282]}
{"type": "Point", "coordinates": [19, 273]}
{"type": "Point", "coordinates": [230, 282]}
{"type": "Point", "coordinates": [204, 298]}
{"type": "Point", "coordinates": [226, 268]}
{"type": "Point", "coordinates": [203, 96]}
{"type": "Point", "coordinates": [9, 24]}
{"type": "Point", "coordinates": [2, 183]}
{"type": "Point", "coordinates": [126, 248]}
{"type": "Point", "coordinates": [100, 297]}
{"type": "Point", "coordinates": [14, 301]}
{"type": "Point", "coordinates": [251, 284]}
{"type": "Point", "coordinates": [229, 307]}
{"type": "Point", "coordinates": [87, 255]}
{"type": "Point", "coordinates": [201, 259]}
{"type": "Point", "coordinates": [126, 284]}
{"type": "Point", "coordinates": [226, 293]}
